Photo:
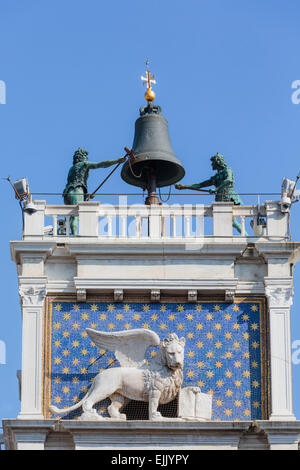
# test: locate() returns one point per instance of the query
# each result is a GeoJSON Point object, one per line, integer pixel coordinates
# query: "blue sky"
{"type": "Point", "coordinates": [224, 71]}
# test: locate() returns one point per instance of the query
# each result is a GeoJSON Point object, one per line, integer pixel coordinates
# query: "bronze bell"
{"type": "Point", "coordinates": [154, 164]}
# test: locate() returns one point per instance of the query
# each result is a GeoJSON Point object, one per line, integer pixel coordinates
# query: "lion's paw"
{"type": "Point", "coordinates": [156, 416]}
{"type": "Point", "coordinates": [118, 417]}
{"type": "Point", "coordinates": [91, 415]}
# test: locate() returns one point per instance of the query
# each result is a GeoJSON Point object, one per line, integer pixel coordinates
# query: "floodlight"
{"type": "Point", "coordinates": [30, 207]}
{"type": "Point", "coordinates": [21, 188]}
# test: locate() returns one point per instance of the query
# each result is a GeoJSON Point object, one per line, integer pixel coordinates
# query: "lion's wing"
{"type": "Point", "coordinates": [129, 346]}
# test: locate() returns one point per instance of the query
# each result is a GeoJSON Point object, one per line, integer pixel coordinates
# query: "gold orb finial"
{"type": "Point", "coordinates": [149, 79]}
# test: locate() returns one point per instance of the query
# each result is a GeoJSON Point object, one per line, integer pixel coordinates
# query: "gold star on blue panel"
{"type": "Point", "coordinates": [222, 352]}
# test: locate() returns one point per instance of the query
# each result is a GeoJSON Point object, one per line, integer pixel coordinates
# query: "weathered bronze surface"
{"type": "Point", "coordinates": [152, 147]}
{"type": "Point", "coordinates": [223, 181]}
{"type": "Point", "coordinates": [155, 164]}
{"type": "Point", "coordinates": [76, 188]}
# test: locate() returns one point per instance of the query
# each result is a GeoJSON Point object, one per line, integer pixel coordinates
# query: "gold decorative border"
{"type": "Point", "coordinates": [264, 339]}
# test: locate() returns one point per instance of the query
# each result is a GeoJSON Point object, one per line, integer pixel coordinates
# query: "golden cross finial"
{"type": "Point", "coordinates": [149, 79]}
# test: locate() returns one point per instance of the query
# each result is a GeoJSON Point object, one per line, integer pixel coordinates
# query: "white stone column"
{"type": "Point", "coordinates": [279, 294]}
{"type": "Point", "coordinates": [32, 299]}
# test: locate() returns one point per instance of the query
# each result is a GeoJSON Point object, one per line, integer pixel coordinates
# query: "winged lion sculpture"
{"type": "Point", "coordinates": [156, 383]}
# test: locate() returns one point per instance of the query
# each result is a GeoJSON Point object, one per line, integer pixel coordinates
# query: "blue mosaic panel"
{"type": "Point", "coordinates": [222, 352]}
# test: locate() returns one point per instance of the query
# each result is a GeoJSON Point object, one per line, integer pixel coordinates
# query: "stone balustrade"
{"type": "Point", "coordinates": [157, 222]}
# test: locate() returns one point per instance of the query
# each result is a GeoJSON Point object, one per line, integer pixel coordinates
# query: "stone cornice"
{"type": "Point", "coordinates": [182, 434]}
{"type": "Point", "coordinates": [34, 248]}
{"type": "Point", "coordinates": [205, 246]}
{"type": "Point", "coordinates": [149, 284]}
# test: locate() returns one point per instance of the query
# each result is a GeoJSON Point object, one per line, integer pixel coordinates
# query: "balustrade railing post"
{"type": "Point", "coordinates": [243, 231]}
{"type": "Point", "coordinates": [187, 214]}
{"type": "Point", "coordinates": [222, 219]}
{"type": "Point", "coordinates": [276, 220]}
{"type": "Point", "coordinates": [88, 219]}
{"type": "Point", "coordinates": [68, 226]}
{"type": "Point", "coordinates": [173, 225]}
{"type": "Point", "coordinates": [109, 226]}
{"type": "Point", "coordinates": [154, 222]}
{"type": "Point", "coordinates": [34, 223]}
{"type": "Point", "coordinates": [123, 226]}
{"type": "Point", "coordinates": [163, 226]}
{"type": "Point", "coordinates": [54, 218]}
{"type": "Point", "coordinates": [138, 226]}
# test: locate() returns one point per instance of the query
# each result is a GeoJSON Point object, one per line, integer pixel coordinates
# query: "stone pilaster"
{"type": "Point", "coordinates": [279, 294]}
{"type": "Point", "coordinates": [32, 301]}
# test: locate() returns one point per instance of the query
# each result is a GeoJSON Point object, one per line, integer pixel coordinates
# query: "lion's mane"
{"type": "Point", "coordinates": [168, 386]}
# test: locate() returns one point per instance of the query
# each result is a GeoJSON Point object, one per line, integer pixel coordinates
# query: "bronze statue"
{"type": "Point", "coordinates": [223, 181]}
{"type": "Point", "coordinates": [76, 188]}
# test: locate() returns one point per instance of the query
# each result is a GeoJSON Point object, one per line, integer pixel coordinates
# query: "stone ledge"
{"type": "Point", "coordinates": [170, 434]}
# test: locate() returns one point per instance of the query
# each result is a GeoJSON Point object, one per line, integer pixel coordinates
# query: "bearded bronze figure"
{"type": "Point", "coordinates": [76, 188]}
{"type": "Point", "coordinates": [223, 181]}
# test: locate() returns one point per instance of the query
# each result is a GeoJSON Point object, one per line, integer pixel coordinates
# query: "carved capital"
{"type": "Point", "coordinates": [279, 296]}
{"type": "Point", "coordinates": [32, 296]}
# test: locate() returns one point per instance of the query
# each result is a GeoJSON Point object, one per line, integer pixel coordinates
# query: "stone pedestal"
{"type": "Point", "coordinates": [173, 435]}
